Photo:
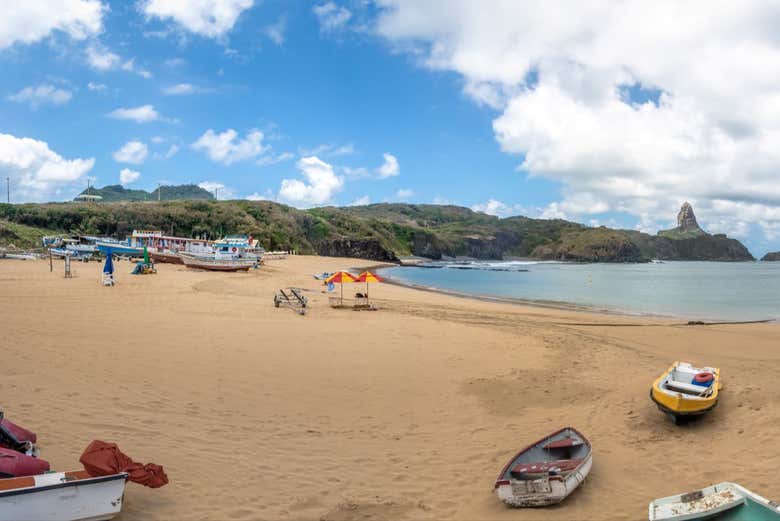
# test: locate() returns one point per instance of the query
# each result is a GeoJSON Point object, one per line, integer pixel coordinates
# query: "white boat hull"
{"type": "Point", "coordinates": [707, 503]}
{"type": "Point", "coordinates": [54, 499]}
{"type": "Point", "coordinates": [543, 492]}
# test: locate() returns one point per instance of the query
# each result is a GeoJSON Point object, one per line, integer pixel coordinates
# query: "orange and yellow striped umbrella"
{"type": "Point", "coordinates": [367, 276]}
{"type": "Point", "coordinates": [340, 277]}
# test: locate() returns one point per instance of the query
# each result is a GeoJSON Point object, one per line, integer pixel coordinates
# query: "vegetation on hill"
{"type": "Point", "coordinates": [116, 193]}
{"type": "Point", "coordinates": [379, 231]}
{"type": "Point", "coordinates": [20, 236]}
{"type": "Point", "coordinates": [771, 256]}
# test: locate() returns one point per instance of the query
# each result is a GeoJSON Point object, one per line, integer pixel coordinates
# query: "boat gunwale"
{"type": "Point", "coordinates": [500, 480]}
{"type": "Point", "coordinates": [746, 494]}
{"type": "Point", "coordinates": [72, 483]}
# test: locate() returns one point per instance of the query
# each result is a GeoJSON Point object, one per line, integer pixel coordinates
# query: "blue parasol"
{"type": "Point", "coordinates": [108, 267]}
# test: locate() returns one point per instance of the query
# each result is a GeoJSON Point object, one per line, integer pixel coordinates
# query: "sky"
{"type": "Point", "coordinates": [603, 113]}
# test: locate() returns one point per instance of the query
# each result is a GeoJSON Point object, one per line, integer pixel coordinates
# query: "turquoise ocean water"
{"type": "Point", "coordinates": [691, 290]}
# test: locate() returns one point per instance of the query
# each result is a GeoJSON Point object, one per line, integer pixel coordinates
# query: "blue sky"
{"type": "Point", "coordinates": [313, 103]}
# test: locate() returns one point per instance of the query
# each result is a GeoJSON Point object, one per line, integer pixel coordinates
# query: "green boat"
{"type": "Point", "coordinates": [721, 502]}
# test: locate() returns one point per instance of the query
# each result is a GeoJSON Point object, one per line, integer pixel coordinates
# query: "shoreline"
{"type": "Point", "coordinates": [568, 306]}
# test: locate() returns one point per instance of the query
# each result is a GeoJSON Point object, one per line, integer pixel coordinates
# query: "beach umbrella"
{"type": "Point", "coordinates": [367, 277]}
{"type": "Point", "coordinates": [340, 277]}
{"type": "Point", "coordinates": [108, 267]}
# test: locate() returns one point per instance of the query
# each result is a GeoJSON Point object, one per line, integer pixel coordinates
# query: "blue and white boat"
{"type": "Point", "coordinates": [117, 247]}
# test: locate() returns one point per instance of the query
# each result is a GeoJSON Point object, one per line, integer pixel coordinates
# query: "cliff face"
{"type": "Point", "coordinates": [772, 256]}
{"type": "Point", "coordinates": [355, 248]}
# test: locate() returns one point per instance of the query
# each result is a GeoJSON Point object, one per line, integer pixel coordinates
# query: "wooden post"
{"type": "Point", "coordinates": [51, 263]}
{"type": "Point", "coordinates": [67, 267]}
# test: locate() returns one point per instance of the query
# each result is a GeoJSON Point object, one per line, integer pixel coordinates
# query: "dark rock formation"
{"type": "Point", "coordinates": [772, 256]}
{"type": "Point", "coordinates": [686, 219]}
{"type": "Point", "coordinates": [687, 226]}
{"type": "Point", "coordinates": [370, 249]}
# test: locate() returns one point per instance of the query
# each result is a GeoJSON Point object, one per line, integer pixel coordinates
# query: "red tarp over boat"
{"type": "Point", "coordinates": [15, 464]}
{"type": "Point", "coordinates": [103, 459]}
{"type": "Point", "coordinates": [21, 433]}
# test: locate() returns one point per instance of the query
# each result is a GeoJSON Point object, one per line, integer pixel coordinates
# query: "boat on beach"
{"type": "Point", "coordinates": [62, 496]}
{"type": "Point", "coordinates": [166, 257]}
{"type": "Point", "coordinates": [684, 390]}
{"type": "Point", "coordinates": [724, 502]}
{"type": "Point", "coordinates": [217, 262]}
{"type": "Point", "coordinates": [547, 471]}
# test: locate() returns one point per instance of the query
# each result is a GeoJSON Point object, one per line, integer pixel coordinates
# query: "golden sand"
{"type": "Point", "coordinates": [405, 413]}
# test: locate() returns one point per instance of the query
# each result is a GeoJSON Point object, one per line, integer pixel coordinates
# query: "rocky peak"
{"type": "Point", "coordinates": [686, 219]}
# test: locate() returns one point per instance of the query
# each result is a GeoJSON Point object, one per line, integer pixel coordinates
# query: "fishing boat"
{"type": "Point", "coordinates": [217, 262]}
{"type": "Point", "coordinates": [165, 256]}
{"type": "Point", "coordinates": [547, 471]}
{"type": "Point", "coordinates": [62, 496]}
{"type": "Point", "coordinates": [724, 502]}
{"type": "Point", "coordinates": [117, 247]}
{"type": "Point", "coordinates": [684, 390]}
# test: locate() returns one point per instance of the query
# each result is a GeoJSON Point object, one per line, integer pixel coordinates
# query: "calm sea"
{"type": "Point", "coordinates": [705, 290]}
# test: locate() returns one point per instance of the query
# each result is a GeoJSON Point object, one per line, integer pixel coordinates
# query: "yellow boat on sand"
{"type": "Point", "coordinates": [684, 390]}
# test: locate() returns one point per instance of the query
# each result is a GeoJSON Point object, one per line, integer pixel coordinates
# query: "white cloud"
{"type": "Point", "coordinates": [404, 193]}
{"type": "Point", "coordinates": [29, 21]}
{"type": "Point", "coordinates": [219, 190]}
{"type": "Point", "coordinates": [142, 114]}
{"type": "Point", "coordinates": [96, 87]}
{"type": "Point", "coordinates": [329, 150]}
{"type": "Point", "coordinates": [36, 171]}
{"type": "Point", "coordinates": [493, 207]}
{"type": "Point", "coordinates": [130, 66]}
{"type": "Point", "coordinates": [181, 89]}
{"type": "Point", "coordinates": [101, 58]}
{"type": "Point", "coordinates": [127, 176]}
{"type": "Point", "coordinates": [390, 167]}
{"type": "Point", "coordinates": [361, 201]}
{"type": "Point", "coordinates": [272, 160]}
{"type": "Point", "coordinates": [320, 185]}
{"type": "Point", "coordinates": [133, 152]}
{"type": "Point", "coordinates": [257, 196]}
{"type": "Point", "coordinates": [210, 18]}
{"type": "Point", "coordinates": [701, 124]}
{"type": "Point", "coordinates": [41, 95]}
{"type": "Point", "coordinates": [331, 16]}
{"type": "Point", "coordinates": [228, 148]}
{"type": "Point", "coordinates": [275, 31]}
{"type": "Point", "coordinates": [172, 151]}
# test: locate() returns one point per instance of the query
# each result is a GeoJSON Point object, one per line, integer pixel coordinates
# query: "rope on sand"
{"type": "Point", "coordinates": [689, 323]}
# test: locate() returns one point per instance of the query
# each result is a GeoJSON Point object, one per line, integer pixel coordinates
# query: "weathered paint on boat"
{"type": "Point", "coordinates": [724, 501]}
{"type": "Point", "coordinates": [548, 483]}
{"type": "Point", "coordinates": [62, 496]}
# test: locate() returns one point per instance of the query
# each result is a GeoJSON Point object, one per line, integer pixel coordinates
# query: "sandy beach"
{"type": "Point", "coordinates": [409, 412]}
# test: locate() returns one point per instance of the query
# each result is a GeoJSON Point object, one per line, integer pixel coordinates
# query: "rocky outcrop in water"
{"type": "Point", "coordinates": [689, 242]}
{"type": "Point", "coordinates": [771, 256]}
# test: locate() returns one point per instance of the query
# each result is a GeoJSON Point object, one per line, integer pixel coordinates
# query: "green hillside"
{"type": "Point", "coordinates": [379, 231]}
{"type": "Point", "coordinates": [117, 193]}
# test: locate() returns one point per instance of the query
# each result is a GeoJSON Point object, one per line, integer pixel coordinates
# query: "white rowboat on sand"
{"type": "Point", "coordinates": [547, 471]}
{"type": "Point", "coordinates": [62, 496]}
